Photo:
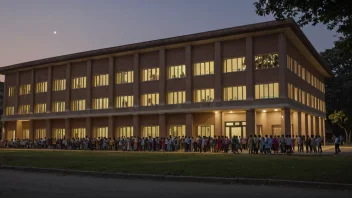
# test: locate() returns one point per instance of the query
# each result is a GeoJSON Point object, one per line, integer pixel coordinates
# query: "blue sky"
{"type": "Point", "coordinates": [26, 27]}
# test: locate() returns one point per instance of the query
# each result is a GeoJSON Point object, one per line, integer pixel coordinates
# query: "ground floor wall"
{"type": "Point", "coordinates": [217, 123]}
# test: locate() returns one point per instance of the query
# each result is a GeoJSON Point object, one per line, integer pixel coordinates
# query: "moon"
{"type": "Point", "coordinates": [55, 32]}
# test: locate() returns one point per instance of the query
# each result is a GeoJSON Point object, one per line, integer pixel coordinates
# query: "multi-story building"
{"type": "Point", "coordinates": [263, 78]}
{"type": "Point", "coordinates": [1, 103]}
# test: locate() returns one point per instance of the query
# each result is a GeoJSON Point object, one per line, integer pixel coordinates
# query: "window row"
{"type": "Point", "coordinates": [266, 61]}
{"type": "Point", "coordinates": [301, 72]}
{"type": "Point", "coordinates": [305, 98]}
{"type": "Point", "coordinates": [264, 91]}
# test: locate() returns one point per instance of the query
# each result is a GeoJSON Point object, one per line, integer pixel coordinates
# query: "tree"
{"type": "Point", "coordinates": [339, 118]}
{"type": "Point", "coordinates": [333, 13]}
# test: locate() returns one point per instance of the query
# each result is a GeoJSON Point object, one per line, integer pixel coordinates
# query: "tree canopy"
{"type": "Point", "coordinates": [333, 13]}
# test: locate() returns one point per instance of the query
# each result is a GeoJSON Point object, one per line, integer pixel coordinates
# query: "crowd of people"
{"type": "Point", "coordinates": [253, 144]}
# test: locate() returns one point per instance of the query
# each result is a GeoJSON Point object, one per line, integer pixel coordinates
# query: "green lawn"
{"type": "Point", "coordinates": [308, 168]}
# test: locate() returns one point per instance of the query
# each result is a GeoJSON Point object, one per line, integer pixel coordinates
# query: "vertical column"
{"type": "Point", "coordinates": [89, 127]}
{"type": "Point", "coordinates": [6, 95]}
{"type": "Point", "coordinates": [136, 80]}
{"type": "Point", "coordinates": [111, 82]}
{"type": "Point", "coordinates": [48, 128]}
{"type": "Point", "coordinates": [111, 127]}
{"type": "Point", "coordinates": [250, 122]}
{"type": "Point", "coordinates": [89, 85]}
{"type": "Point", "coordinates": [189, 124]}
{"type": "Point", "coordinates": [32, 90]}
{"type": "Point", "coordinates": [286, 121]}
{"type": "Point", "coordinates": [218, 123]}
{"type": "Point", "coordinates": [19, 132]}
{"type": "Point", "coordinates": [316, 125]}
{"type": "Point", "coordinates": [282, 66]}
{"type": "Point", "coordinates": [299, 124]}
{"type": "Point", "coordinates": [321, 120]}
{"type": "Point", "coordinates": [136, 126]}
{"type": "Point", "coordinates": [68, 87]}
{"type": "Point", "coordinates": [17, 92]}
{"type": "Point", "coordinates": [48, 94]}
{"type": "Point", "coordinates": [162, 77]}
{"type": "Point", "coordinates": [324, 134]}
{"type": "Point", "coordinates": [31, 129]}
{"type": "Point", "coordinates": [68, 132]}
{"type": "Point", "coordinates": [3, 132]}
{"type": "Point", "coordinates": [311, 125]}
{"type": "Point", "coordinates": [218, 72]}
{"type": "Point", "coordinates": [162, 125]}
{"type": "Point", "coordinates": [189, 74]}
{"type": "Point", "coordinates": [249, 69]}
{"type": "Point", "coordinates": [306, 129]}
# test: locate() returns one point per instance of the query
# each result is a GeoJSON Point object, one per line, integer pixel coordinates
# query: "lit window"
{"type": "Point", "coordinates": [58, 133]}
{"type": "Point", "coordinates": [177, 131]}
{"type": "Point", "coordinates": [41, 87]}
{"type": "Point", "coordinates": [25, 133]}
{"type": "Point", "coordinates": [235, 93]}
{"type": "Point", "coordinates": [150, 74]}
{"type": "Point", "coordinates": [79, 82]}
{"type": "Point", "coordinates": [10, 111]}
{"type": "Point", "coordinates": [100, 103]}
{"type": "Point", "coordinates": [11, 91]}
{"type": "Point", "coordinates": [59, 85]}
{"type": "Point", "coordinates": [40, 133]}
{"type": "Point", "coordinates": [205, 68]}
{"type": "Point", "coordinates": [24, 109]}
{"type": "Point", "coordinates": [101, 132]}
{"type": "Point", "coordinates": [150, 99]}
{"type": "Point", "coordinates": [303, 97]}
{"type": "Point", "coordinates": [79, 132]}
{"type": "Point", "coordinates": [289, 62]}
{"type": "Point", "coordinates": [266, 61]}
{"type": "Point", "coordinates": [308, 76]}
{"type": "Point", "coordinates": [207, 130]}
{"type": "Point", "coordinates": [234, 65]}
{"type": "Point", "coordinates": [124, 77]}
{"type": "Point", "coordinates": [303, 73]}
{"type": "Point", "coordinates": [263, 91]}
{"type": "Point", "coordinates": [150, 131]}
{"type": "Point", "coordinates": [25, 89]}
{"type": "Point", "coordinates": [78, 105]}
{"type": "Point", "coordinates": [58, 106]}
{"type": "Point", "coordinates": [299, 71]}
{"type": "Point", "coordinates": [124, 101]}
{"type": "Point", "coordinates": [177, 71]}
{"type": "Point", "coordinates": [101, 80]}
{"type": "Point", "coordinates": [126, 131]}
{"type": "Point", "coordinates": [204, 95]}
{"type": "Point", "coordinates": [178, 97]}
{"type": "Point", "coordinates": [40, 108]}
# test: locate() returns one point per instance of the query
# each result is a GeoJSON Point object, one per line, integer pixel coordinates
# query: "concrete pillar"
{"type": "Point", "coordinates": [286, 121]}
{"type": "Point", "coordinates": [311, 125]}
{"type": "Point", "coordinates": [111, 127]}
{"type": "Point", "coordinates": [111, 82]}
{"type": "Point", "coordinates": [4, 129]}
{"type": "Point", "coordinates": [136, 80]}
{"type": "Point", "coordinates": [89, 85]}
{"type": "Point", "coordinates": [48, 129]}
{"type": "Point", "coordinates": [189, 74]}
{"type": "Point", "coordinates": [17, 92]}
{"type": "Point", "coordinates": [48, 94]}
{"type": "Point", "coordinates": [321, 120]}
{"type": "Point", "coordinates": [316, 125]}
{"type": "Point", "coordinates": [31, 129]}
{"type": "Point", "coordinates": [32, 91]}
{"type": "Point", "coordinates": [162, 77]}
{"type": "Point", "coordinates": [162, 126]}
{"type": "Point", "coordinates": [250, 69]}
{"type": "Point", "coordinates": [250, 122]}
{"type": "Point", "coordinates": [218, 123]}
{"type": "Point", "coordinates": [299, 124]}
{"type": "Point", "coordinates": [136, 126]}
{"type": "Point", "coordinates": [18, 133]}
{"type": "Point", "coordinates": [324, 134]}
{"type": "Point", "coordinates": [68, 131]}
{"type": "Point", "coordinates": [89, 131]}
{"type": "Point", "coordinates": [68, 89]}
{"type": "Point", "coordinates": [218, 73]}
{"type": "Point", "coordinates": [282, 66]}
{"type": "Point", "coordinates": [189, 124]}
{"type": "Point", "coordinates": [306, 124]}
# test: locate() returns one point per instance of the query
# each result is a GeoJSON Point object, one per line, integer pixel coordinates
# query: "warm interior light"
{"type": "Point", "coordinates": [230, 111]}
{"type": "Point", "coordinates": [275, 109]}
{"type": "Point", "coordinates": [215, 112]}
{"type": "Point", "coordinates": [282, 116]}
{"type": "Point", "coordinates": [264, 111]}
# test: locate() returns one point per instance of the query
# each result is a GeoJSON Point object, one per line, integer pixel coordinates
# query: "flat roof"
{"type": "Point", "coordinates": [270, 25]}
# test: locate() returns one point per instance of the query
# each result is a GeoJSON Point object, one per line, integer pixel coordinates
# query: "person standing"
{"type": "Point", "coordinates": [337, 145]}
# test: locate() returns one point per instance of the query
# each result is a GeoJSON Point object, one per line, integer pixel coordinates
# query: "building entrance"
{"type": "Point", "coordinates": [235, 129]}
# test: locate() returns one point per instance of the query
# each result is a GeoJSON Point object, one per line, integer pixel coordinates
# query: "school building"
{"type": "Point", "coordinates": [263, 78]}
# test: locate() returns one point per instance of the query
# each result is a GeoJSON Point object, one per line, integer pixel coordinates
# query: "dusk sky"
{"type": "Point", "coordinates": [27, 27]}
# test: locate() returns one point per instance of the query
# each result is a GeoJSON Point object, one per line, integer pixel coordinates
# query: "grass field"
{"type": "Point", "coordinates": [307, 168]}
